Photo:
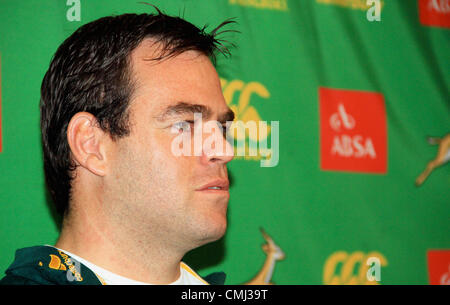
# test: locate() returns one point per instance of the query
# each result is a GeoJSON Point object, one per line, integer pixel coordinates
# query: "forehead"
{"type": "Point", "coordinates": [188, 77]}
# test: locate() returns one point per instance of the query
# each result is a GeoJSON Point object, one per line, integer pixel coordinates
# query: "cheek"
{"type": "Point", "coordinates": [167, 160]}
{"type": "Point", "coordinates": [170, 175]}
{"type": "Point", "coordinates": [174, 173]}
{"type": "Point", "coordinates": [147, 170]}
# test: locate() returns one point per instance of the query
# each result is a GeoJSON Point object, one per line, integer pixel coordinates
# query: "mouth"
{"type": "Point", "coordinates": [215, 186]}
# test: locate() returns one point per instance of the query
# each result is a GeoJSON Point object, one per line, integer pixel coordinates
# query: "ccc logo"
{"type": "Point", "coordinates": [342, 268]}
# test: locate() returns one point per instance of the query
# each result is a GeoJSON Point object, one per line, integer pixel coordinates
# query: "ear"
{"type": "Point", "coordinates": [87, 142]}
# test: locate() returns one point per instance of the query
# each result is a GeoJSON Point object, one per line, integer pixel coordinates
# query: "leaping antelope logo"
{"type": "Point", "coordinates": [274, 253]}
{"type": "Point", "coordinates": [443, 155]}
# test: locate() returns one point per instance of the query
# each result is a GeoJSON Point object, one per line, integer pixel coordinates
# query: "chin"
{"type": "Point", "coordinates": [212, 230]}
{"type": "Point", "coordinates": [219, 231]}
{"type": "Point", "coordinates": [208, 220]}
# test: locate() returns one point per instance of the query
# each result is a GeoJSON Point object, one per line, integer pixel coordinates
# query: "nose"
{"type": "Point", "coordinates": [216, 148]}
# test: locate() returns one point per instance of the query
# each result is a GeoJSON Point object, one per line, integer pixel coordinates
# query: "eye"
{"type": "Point", "coordinates": [183, 126]}
{"type": "Point", "coordinates": [224, 130]}
{"type": "Point", "coordinates": [227, 129]}
{"type": "Point", "coordinates": [222, 127]}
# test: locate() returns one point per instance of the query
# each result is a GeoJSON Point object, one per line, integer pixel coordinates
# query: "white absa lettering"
{"type": "Point", "coordinates": [440, 6]}
{"type": "Point", "coordinates": [353, 146]}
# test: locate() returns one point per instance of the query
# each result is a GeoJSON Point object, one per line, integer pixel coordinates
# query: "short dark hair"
{"type": "Point", "coordinates": [90, 72]}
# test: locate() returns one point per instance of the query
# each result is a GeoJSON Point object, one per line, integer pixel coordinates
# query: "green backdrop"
{"type": "Point", "coordinates": [323, 220]}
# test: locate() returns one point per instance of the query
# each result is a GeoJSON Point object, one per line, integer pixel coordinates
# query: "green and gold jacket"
{"type": "Point", "coordinates": [44, 265]}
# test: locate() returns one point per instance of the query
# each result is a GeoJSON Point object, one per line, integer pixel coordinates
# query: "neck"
{"type": "Point", "coordinates": [119, 249]}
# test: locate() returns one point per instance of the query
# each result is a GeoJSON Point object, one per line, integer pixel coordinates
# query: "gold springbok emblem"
{"type": "Point", "coordinates": [273, 253]}
{"type": "Point", "coordinates": [443, 155]}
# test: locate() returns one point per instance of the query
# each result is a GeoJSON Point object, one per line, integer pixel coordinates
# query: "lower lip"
{"type": "Point", "coordinates": [210, 191]}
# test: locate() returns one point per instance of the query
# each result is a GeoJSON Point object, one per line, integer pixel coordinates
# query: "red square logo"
{"type": "Point", "coordinates": [352, 131]}
{"type": "Point", "coordinates": [439, 267]}
{"type": "Point", "coordinates": [435, 13]}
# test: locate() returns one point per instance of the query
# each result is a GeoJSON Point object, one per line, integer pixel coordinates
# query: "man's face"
{"type": "Point", "coordinates": [155, 192]}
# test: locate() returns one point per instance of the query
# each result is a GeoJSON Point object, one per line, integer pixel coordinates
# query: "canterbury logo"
{"type": "Point", "coordinates": [242, 109]}
{"type": "Point", "coordinates": [356, 268]}
{"type": "Point", "coordinates": [248, 130]}
{"type": "Point", "coordinates": [273, 254]}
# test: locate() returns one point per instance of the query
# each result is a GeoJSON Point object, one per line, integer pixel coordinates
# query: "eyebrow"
{"type": "Point", "coordinates": [183, 108]}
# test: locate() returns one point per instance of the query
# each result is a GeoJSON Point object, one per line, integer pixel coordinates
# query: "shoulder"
{"type": "Point", "coordinates": [46, 265]}
{"type": "Point", "coordinates": [11, 279]}
{"type": "Point", "coordinates": [191, 277]}
{"type": "Point", "coordinates": [216, 278]}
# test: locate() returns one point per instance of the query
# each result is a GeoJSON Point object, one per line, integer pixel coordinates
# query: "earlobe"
{"type": "Point", "coordinates": [86, 142]}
